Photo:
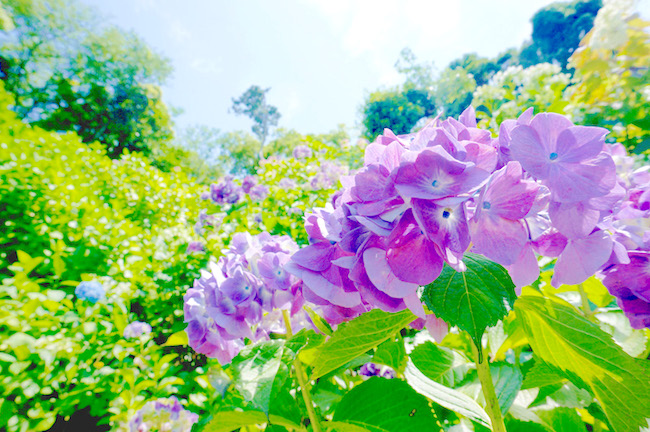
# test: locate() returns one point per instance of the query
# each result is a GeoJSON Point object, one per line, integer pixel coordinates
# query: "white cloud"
{"type": "Point", "coordinates": [369, 26]}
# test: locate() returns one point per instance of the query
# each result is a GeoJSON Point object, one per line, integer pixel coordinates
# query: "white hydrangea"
{"type": "Point", "coordinates": [610, 28]}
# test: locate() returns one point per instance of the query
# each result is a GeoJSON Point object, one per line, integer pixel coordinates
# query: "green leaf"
{"type": "Point", "coordinates": [507, 383]}
{"type": "Point", "coordinates": [439, 364]}
{"type": "Point", "coordinates": [562, 419]}
{"type": "Point", "coordinates": [352, 339]}
{"type": "Point", "coordinates": [541, 375]}
{"type": "Point", "coordinates": [178, 338]}
{"type": "Point", "coordinates": [228, 421]}
{"type": "Point", "coordinates": [585, 354]}
{"type": "Point", "coordinates": [445, 396]}
{"type": "Point", "coordinates": [255, 370]}
{"type": "Point", "coordinates": [392, 353]}
{"type": "Point", "coordinates": [381, 404]}
{"type": "Point", "coordinates": [474, 299]}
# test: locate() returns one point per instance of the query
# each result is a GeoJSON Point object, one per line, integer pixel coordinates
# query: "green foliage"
{"type": "Point", "coordinates": [474, 299]}
{"type": "Point", "coordinates": [440, 364]}
{"type": "Point", "coordinates": [256, 373]}
{"type": "Point", "coordinates": [356, 337]}
{"type": "Point", "coordinates": [381, 404]}
{"type": "Point", "coordinates": [70, 213]}
{"type": "Point", "coordinates": [447, 397]}
{"type": "Point", "coordinates": [512, 91]}
{"type": "Point", "coordinates": [395, 109]}
{"type": "Point", "coordinates": [453, 91]}
{"type": "Point", "coordinates": [612, 71]}
{"type": "Point", "coordinates": [481, 68]}
{"type": "Point", "coordinates": [589, 357]}
{"type": "Point", "coordinates": [68, 71]}
{"type": "Point", "coordinates": [557, 31]}
{"type": "Point", "coordinates": [227, 421]}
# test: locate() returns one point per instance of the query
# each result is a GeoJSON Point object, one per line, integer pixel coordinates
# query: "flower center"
{"type": "Point", "coordinates": [552, 156]}
{"type": "Point", "coordinates": [487, 205]}
{"type": "Point", "coordinates": [446, 213]}
{"type": "Point", "coordinates": [434, 183]}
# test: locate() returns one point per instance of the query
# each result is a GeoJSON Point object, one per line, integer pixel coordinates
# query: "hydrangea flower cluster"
{"type": "Point", "coordinates": [136, 329]}
{"type": "Point", "coordinates": [241, 297]}
{"type": "Point", "coordinates": [544, 186]}
{"type": "Point", "coordinates": [90, 291]}
{"type": "Point", "coordinates": [629, 280]}
{"type": "Point", "coordinates": [228, 192]}
{"type": "Point", "coordinates": [372, 369]}
{"type": "Point", "coordinates": [163, 415]}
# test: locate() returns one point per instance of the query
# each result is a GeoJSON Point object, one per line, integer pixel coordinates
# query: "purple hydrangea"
{"type": "Point", "coordinates": [225, 192]}
{"type": "Point", "coordinates": [194, 247]}
{"type": "Point", "coordinates": [373, 369]}
{"type": "Point", "coordinates": [231, 300]}
{"type": "Point", "coordinates": [136, 329]}
{"type": "Point", "coordinates": [543, 187]}
{"type": "Point", "coordinates": [90, 291]}
{"type": "Point", "coordinates": [259, 193]}
{"type": "Point", "coordinates": [163, 415]}
{"type": "Point", "coordinates": [248, 183]}
{"type": "Point", "coordinates": [630, 284]}
{"type": "Point", "coordinates": [301, 152]}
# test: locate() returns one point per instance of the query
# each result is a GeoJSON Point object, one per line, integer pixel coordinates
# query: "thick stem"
{"type": "Point", "coordinates": [302, 380]}
{"type": "Point", "coordinates": [585, 301]}
{"type": "Point", "coordinates": [491, 401]}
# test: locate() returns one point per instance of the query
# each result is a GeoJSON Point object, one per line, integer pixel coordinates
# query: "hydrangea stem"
{"type": "Point", "coordinates": [491, 401]}
{"type": "Point", "coordinates": [302, 380]}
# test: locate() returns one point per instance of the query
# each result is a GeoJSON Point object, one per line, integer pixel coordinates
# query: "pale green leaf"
{"type": "Point", "coordinates": [354, 338]}
{"type": "Point", "coordinates": [445, 396]}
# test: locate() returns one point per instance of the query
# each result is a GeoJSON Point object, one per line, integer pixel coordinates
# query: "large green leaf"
{"type": "Point", "coordinates": [258, 371]}
{"type": "Point", "coordinates": [228, 421]}
{"type": "Point", "coordinates": [356, 337]}
{"type": "Point", "coordinates": [474, 299]}
{"type": "Point", "coordinates": [381, 404]}
{"type": "Point", "coordinates": [391, 353]}
{"type": "Point", "coordinates": [445, 396]}
{"type": "Point", "coordinates": [563, 338]}
{"type": "Point", "coordinates": [439, 364]}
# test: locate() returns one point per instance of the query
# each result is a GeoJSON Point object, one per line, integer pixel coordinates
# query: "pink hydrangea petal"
{"type": "Point", "coordinates": [526, 147]}
{"type": "Point", "coordinates": [436, 327]}
{"type": "Point", "coordinates": [382, 277]}
{"type": "Point", "coordinates": [499, 239]}
{"type": "Point", "coordinates": [525, 270]}
{"type": "Point", "coordinates": [578, 182]}
{"type": "Point", "coordinates": [574, 220]}
{"type": "Point", "coordinates": [582, 258]}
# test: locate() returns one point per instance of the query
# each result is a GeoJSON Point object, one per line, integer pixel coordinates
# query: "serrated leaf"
{"type": "Point", "coordinates": [255, 371]}
{"type": "Point", "coordinates": [381, 404]}
{"type": "Point", "coordinates": [439, 364]}
{"type": "Point", "coordinates": [562, 337]}
{"type": "Point", "coordinates": [474, 299]}
{"type": "Point", "coordinates": [228, 421]}
{"type": "Point", "coordinates": [445, 396]}
{"type": "Point", "coordinates": [354, 338]}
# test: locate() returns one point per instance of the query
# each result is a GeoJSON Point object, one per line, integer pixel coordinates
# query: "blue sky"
{"type": "Point", "coordinates": [320, 58]}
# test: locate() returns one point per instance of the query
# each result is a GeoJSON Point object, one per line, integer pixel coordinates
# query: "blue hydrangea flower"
{"type": "Point", "coordinates": [136, 329]}
{"type": "Point", "coordinates": [91, 291]}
